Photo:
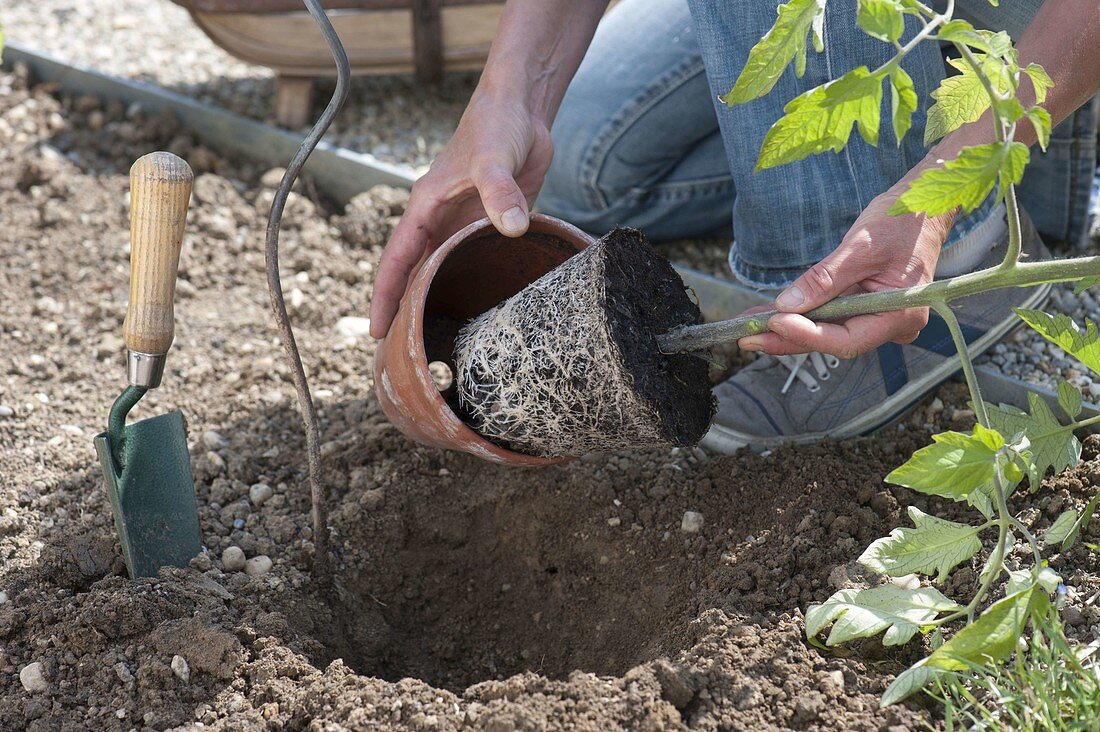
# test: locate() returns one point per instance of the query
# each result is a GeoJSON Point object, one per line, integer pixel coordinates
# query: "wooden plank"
{"type": "Point", "coordinates": [427, 27]}
{"type": "Point", "coordinates": [339, 172]}
{"type": "Point", "coordinates": [293, 96]}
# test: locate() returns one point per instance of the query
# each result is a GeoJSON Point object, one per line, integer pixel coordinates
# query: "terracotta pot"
{"type": "Point", "coordinates": [471, 272]}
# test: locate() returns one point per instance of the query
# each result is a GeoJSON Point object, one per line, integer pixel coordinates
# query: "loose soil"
{"type": "Point", "coordinates": [465, 595]}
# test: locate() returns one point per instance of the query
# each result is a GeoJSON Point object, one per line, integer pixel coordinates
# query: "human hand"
{"type": "Point", "coordinates": [879, 252]}
{"type": "Point", "coordinates": [493, 166]}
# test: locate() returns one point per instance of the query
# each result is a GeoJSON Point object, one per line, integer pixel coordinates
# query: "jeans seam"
{"type": "Point", "coordinates": [596, 157]}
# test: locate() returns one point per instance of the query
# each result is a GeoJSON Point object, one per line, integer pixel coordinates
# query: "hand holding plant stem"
{"type": "Point", "coordinates": [982, 467]}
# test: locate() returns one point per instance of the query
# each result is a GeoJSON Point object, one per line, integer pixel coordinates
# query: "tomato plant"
{"type": "Point", "coordinates": [985, 466]}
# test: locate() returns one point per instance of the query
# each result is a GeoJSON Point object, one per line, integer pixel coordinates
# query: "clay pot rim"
{"type": "Point", "coordinates": [462, 431]}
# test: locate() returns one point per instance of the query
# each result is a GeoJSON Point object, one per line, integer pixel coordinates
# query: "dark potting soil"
{"type": "Point", "coordinates": [644, 299]}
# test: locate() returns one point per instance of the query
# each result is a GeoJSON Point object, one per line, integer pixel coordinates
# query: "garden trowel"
{"type": "Point", "coordinates": [146, 463]}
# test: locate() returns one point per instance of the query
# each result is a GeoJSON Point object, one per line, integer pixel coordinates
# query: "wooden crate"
{"type": "Point", "coordinates": [380, 36]}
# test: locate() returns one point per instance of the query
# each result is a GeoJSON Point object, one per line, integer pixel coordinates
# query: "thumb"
{"type": "Point", "coordinates": [504, 202]}
{"type": "Point", "coordinates": [828, 279]}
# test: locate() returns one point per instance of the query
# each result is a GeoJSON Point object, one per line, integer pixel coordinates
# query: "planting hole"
{"type": "Point", "coordinates": [441, 375]}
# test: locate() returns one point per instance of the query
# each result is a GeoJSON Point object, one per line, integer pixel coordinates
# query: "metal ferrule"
{"type": "Point", "coordinates": [145, 369]}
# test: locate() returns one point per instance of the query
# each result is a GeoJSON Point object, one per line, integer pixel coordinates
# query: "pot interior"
{"type": "Point", "coordinates": [480, 273]}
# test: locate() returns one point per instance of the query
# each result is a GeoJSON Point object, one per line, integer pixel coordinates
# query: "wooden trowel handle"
{"type": "Point", "coordinates": [160, 191]}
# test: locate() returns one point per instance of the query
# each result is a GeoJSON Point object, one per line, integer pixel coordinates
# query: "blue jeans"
{"type": "Point", "coordinates": [641, 139]}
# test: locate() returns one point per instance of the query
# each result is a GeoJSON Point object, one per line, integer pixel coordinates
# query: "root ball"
{"type": "Point", "coordinates": [570, 364]}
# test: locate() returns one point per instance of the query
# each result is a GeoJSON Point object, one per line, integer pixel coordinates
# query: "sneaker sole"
{"type": "Point", "coordinates": [726, 441]}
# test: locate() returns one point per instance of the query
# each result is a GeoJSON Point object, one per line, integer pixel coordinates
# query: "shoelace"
{"type": "Point", "coordinates": [822, 364]}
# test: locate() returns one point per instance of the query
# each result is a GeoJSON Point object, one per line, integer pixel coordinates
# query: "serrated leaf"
{"type": "Point", "coordinates": [1040, 120]}
{"type": "Point", "coordinates": [783, 43]}
{"type": "Point", "coordinates": [1082, 344]}
{"type": "Point", "coordinates": [1069, 399]}
{"type": "Point", "coordinates": [1052, 444]}
{"type": "Point", "coordinates": [881, 19]}
{"type": "Point", "coordinates": [997, 44]}
{"type": "Point", "coordinates": [865, 613]}
{"type": "Point", "coordinates": [1018, 581]}
{"type": "Point", "coordinates": [960, 99]}
{"type": "Point", "coordinates": [1060, 529]}
{"type": "Point", "coordinates": [908, 682]}
{"type": "Point", "coordinates": [903, 102]}
{"type": "Point", "coordinates": [990, 638]}
{"type": "Point", "coordinates": [933, 546]}
{"type": "Point", "coordinates": [1048, 579]}
{"type": "Point", "coordinates": [1085, 284]}
{"type": "Point", "coordinates": [953, 465]}
{"type": "Point", "coordinates": [1080, 524]}
{"type": "Point", "coordinates": [1041, 80]}
{"type": "Point", "coordinates": [964, 181]}
{"type": "Point", "coordinates": [822, 119]}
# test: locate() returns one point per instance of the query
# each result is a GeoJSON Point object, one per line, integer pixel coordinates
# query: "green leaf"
{"type": "Point", "coordinates": [990, 638]}
{"type": "Point", "coordinates": [960, 99]}
{"type": "Point", "coordinates": [1040, 120]}
{"type": "Point", "coordinates": [881, 19]}
{"type": "Point", "coordinates": [1080, 524]}
{"type": "Point", "coordinates": [997, 44]}
{"type": "Point", "coordinates": [783, 43]}
{"type": "Point", "coordinates": [964, 181]}
{"type": "Point", "coordinates": [1086, 284]}
{"type": "Point", "coordinates": [822, 119]}
{"type": "Point", "coordinates": [1041, 80]}
{"type": "Point", "coordinates": [1069, 399]}
{"type": "Point", "coordinates": [908, 682]}
{"type": "Point", "coordinates": [1082, 344]}
{"type": "Point", "coordinates": [903, 102]}
{"type": "Point", "coordinates": [1052, 444]}
{"type": "Point", "coordinates": [864, 613]}
{"type": "Point", "coordinates": [933, 545]}
{"type": "Point", "coordinates": [953, 465]}
{"type": "Point", "coordinates": [1060, 529]}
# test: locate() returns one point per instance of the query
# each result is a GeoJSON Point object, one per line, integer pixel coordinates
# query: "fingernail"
{"type": "Point", "coordinates": [513, 219]}
{"type": "Point", "coordinates": [792, 297]}
{"type": "Point", "coordinates": [749, 344]}
{"type": "Point", "coordinates": [778, 327]}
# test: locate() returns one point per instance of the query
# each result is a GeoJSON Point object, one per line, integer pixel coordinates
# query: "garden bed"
{"type": "Point", "coordinates": [466, 594]}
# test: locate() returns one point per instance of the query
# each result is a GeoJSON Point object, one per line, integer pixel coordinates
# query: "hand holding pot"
{"type": "Point", "coordinates": [493, 166]}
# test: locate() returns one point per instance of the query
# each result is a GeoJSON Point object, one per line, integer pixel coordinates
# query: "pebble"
{"type": "Point", "coordinates": [214, 441]}
{"type": "Point", "coordinates": [258, 566]}
{"type": "Point", "coordinates": [614, 521]}
{"type": "Point", "coordinates": [353, 327]}
{"type": "Point", "coordinates": [215, 461]}
{"type": "Point", "coordinates": [260, 493]}
{"type": "Point", "coordinates": [32, 678]}
{"type": "Point", "coordinates": [181, 669]}
{"type": "Point", "coordinates": [123, 673]}
{"type": "Point", "coordinates": [233, 559]}
{"type": "Point", "coordinates": [6, 411]}
{"type": "Point", "coordinates": [3, 597]}
{"type": "Point", "coordinates": [692, 523]}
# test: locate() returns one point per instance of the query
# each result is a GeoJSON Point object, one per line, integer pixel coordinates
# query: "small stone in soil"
{"type": "Point", "coordinates": [6, 411]}
{"type": "Point", "coordinates": [692, 523]}
{"type": "Point", "coordinates": [181, 669]}
{"type": "Point", "coordinates": [233, 559]}
{"type": "Point", "coordinates": [258, 566]}
{"type": "Point", "coordinates": [260, 493]}
{"type": "Point", "coordinates": [214, 441]}
{"type": "Point", "coordinates": [32, 678]}
{"type": "Point", "coordinates": [353, 327]}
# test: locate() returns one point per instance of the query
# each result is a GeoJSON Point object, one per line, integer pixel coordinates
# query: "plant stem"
{"type": "Point", "coordinates": [948, 315]}
{"type": "Point", "coordinates": [1023, 274]}
{"type": "Point", "coordinates": [935, 22]}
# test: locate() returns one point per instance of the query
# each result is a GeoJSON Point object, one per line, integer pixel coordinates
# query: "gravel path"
{"type": "Point", "coordinates": [390, 117]}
